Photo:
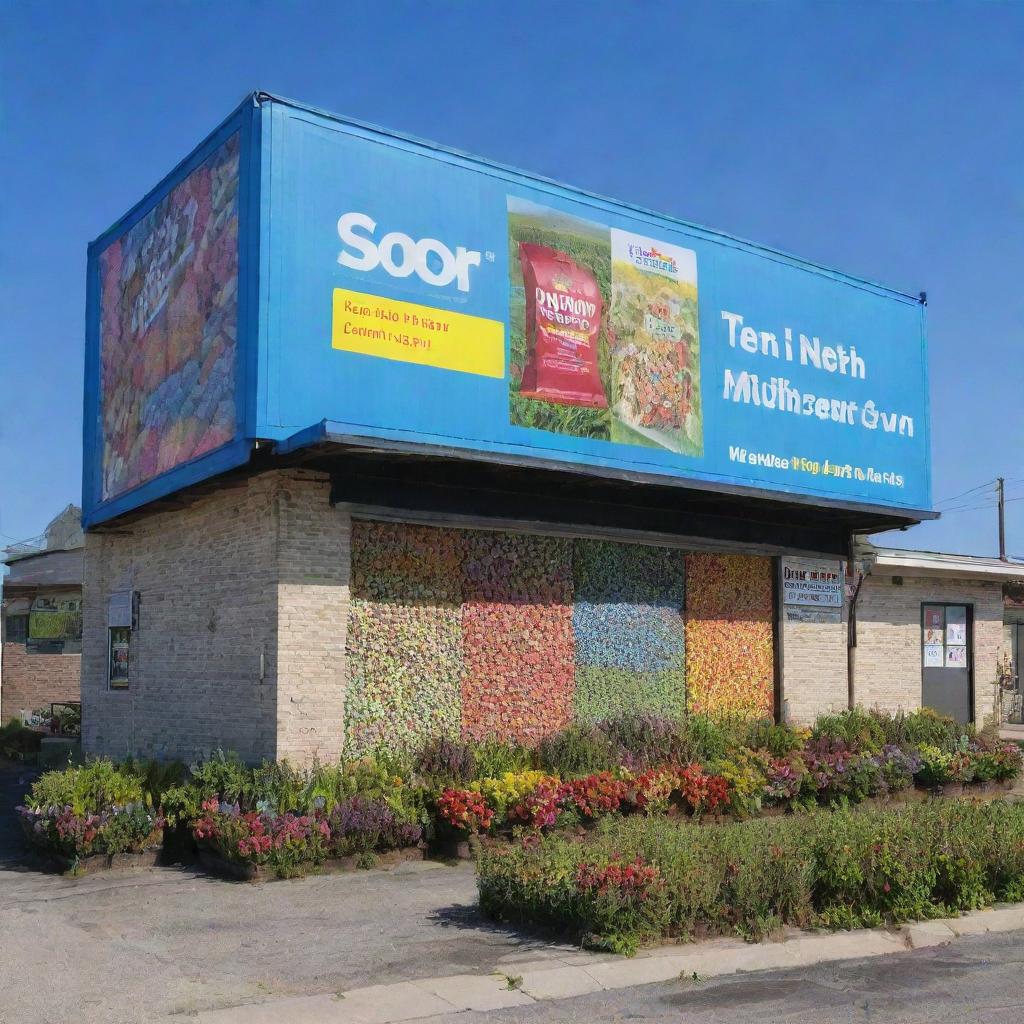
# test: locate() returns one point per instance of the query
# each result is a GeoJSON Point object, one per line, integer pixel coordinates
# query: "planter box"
{"type": "Point", "coordinates": [95, 863]}
{"type": "Point", "coordinates": [244, 871]}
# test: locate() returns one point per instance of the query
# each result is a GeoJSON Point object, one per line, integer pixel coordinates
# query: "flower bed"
{"type": "Point", "coordinates": [643, 879]}
{"type": "Point", "coordinates": [277, 820]}
{"type": "Point", "coordinates": [846, 760]}
{"type": "Point", "coordinates": [89, 818]}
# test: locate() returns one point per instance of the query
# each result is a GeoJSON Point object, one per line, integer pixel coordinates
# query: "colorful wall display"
{"type": "Point", "coordinates": [482, 633]}
{"type": "Point", "coordinates": [517, 636]}
{"type": "Point", "coordinates": [405, 661]}
{"type": "Point", "coordinates": [168, 329]}
{"type": "Point", "coordinates": [730, 653]}
{"type": "Point", "coordinates": [628, 627]}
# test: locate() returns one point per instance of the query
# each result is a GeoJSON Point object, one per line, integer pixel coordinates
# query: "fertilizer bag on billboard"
{"type": "Point", "coordinates": [563, 320]}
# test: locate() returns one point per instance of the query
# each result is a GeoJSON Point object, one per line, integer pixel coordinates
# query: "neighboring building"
{"type": "Point", "coordinates": [41, 622]}
{"type": "Point", "coordinates": [931, 630]}
{"type": "Point", "coordinates": [384, 441]}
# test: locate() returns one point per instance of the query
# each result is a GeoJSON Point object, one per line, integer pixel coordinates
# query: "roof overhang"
{"type": "Point", "coordinates": [897, 562]}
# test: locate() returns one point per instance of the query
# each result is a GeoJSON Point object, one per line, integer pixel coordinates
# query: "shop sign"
{"type": "Point", "coordinates": [812, 582]}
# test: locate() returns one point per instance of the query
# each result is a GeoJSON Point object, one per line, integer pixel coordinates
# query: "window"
{"type": "Point", "coordinates": [120, 646]}
{"type": "Point", "coordinates": [16, 629]}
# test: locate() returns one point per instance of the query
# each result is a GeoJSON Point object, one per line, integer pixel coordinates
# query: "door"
{"type": "Point", "coordinates": [946, 645]}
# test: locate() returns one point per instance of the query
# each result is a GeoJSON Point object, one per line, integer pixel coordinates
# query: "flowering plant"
{"type": "Point", "coordinates": [784, 778]}
{"type": "Point", "coordinates": [600, 793]}
{"type": "Point", "coordinates": [542, 808]}
{"type": "Point", "coordinates": [510, 789]}
{"type": "Point", "coordinates": [651, 791]}
{"type": "Point", "coordinates": [635, 878]}
{"type": "Point", "coordinates": [116, 829]}
{"type": "Point", "coordinates": [935, 766]}
{"type": "Point", "coordinates": [360, 825]}
{"type": "Point", "coordinates": [464, 810]}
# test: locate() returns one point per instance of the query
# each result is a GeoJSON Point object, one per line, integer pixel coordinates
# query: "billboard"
{"type": "Point", "coordinates": [394, 291]}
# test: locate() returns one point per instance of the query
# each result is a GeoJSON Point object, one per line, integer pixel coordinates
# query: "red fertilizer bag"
{"type": "Point", "coordinates": [563, 320]}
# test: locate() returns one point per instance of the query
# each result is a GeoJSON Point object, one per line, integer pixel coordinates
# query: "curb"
{"type": "Point", "coordinates": [580, 974]}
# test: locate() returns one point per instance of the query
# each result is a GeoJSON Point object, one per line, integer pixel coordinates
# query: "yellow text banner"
{"type": "Point", "coordinates": [390, 329]}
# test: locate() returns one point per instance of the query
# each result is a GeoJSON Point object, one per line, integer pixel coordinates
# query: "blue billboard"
{"type": "Point", "coordinates": [392, 290]}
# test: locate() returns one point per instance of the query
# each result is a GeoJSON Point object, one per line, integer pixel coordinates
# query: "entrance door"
{"type": "Point", "coordinates": [946, 646]}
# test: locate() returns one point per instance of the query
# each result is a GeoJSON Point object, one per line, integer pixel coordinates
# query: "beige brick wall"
{"type": "Point", "coordinates": [314, 561]}
{"type": "Point", "coordinates": [241, 639]}
{"type": "Point", "coordinates": [887, 670]}
{"type": "Point", "coordinates": [813, 669]}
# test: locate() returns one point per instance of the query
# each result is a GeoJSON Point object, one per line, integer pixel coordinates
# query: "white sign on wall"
{"type": "Point", "coordinates": [812, 581]}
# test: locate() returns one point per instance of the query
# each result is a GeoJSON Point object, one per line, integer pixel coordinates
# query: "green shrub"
{"type": "Point", "coordinates": [156, 776]}
{"type": "Point", "coordinates": [222, 774]}
{"type": "Point", "coordinates": [923, 727]}
{"type": "Point", "coordinates": [87, 789]}
{"type": "Point", "coordinates": [778, 740]}
{"type": "Point", "coordinates": [16, 740]}
{"type": "Point", "coordinates": [578, 750]}
{"type": "Point", "coordinates": [493, 758]}
{"type": "Point", "coordinates": [859, 729]}
{"type": "Point", "coordinates": [838, 869]}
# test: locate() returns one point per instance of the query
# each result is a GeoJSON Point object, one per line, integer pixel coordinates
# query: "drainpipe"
{"type": "Point", "coordinates": [851, 632]}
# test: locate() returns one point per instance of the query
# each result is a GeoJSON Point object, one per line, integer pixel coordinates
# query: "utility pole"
{"type": "Point", "coordinates": [1002, 518]}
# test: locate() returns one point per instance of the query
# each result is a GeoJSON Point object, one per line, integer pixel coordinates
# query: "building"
{"type": "Point", "coordinates": [41, 619]}
{"type": "Point", "coordinates": [384, 441]}
{"type": "Point", "coordinates": [931, 629]}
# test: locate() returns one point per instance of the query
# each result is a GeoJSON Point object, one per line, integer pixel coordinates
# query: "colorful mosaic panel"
{"type": "Point", "coordinates": [628, 629]}
{"type": "Point", "coordinates": [488, 634]}
{"type": "Point", "coordinates": [518, 645]}
{"type": "Point", "coordinates": [168, 320]}
{"type": "Point", "coordinates": [730, 665]}
{"type": "Point", "coordinates": [404, 636]}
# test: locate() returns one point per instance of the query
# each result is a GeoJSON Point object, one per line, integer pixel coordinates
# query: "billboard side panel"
{"type": "Point", "coordinates": [169, 314]}
{"type": "Point", "coordinates": [417, 294]}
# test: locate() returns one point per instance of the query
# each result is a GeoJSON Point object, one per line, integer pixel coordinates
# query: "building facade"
{"type": "Point", "coordinates": [383, 442]}
{"type": "Point", "coordinates": [41, 621]}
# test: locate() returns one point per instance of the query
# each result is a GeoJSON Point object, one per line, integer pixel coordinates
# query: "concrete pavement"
{"type": "Point", "coordinates": [534, 984]}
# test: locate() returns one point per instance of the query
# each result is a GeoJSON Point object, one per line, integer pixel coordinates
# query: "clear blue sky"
{"type": "Point", "coordinates": [882, 139]}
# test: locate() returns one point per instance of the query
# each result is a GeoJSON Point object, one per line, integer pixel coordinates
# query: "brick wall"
{"type": "Point", "coordinates": [814, 670]}
{"type": "Point", "coordinates": [887, 669]}
{"type": "Point", "coordinates": [314, 562]}
{"type": "Point", "coordinates": [31, 681]}
{"type": "Point", "coordinates": [243, 604]}
{"type": "Point", "coordinates": [205, 574]}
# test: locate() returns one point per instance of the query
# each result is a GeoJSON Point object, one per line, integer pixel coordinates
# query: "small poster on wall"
{"type": "Point", "coordinates": [933, 617]}
{"type": "Point", "coordinates": [956, 657]}
{"type": "Point", "coordinates": [956, 625]}
{"type": "Point", "coordinates": [933, 655]}
{"type": "Point", "coordinates": [933, 636]}
{"type": "Point", "coordinates": [120, 638]}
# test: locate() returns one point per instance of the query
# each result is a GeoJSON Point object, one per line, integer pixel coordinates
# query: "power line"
{"type": "Point", "coordinates": [963, 494]}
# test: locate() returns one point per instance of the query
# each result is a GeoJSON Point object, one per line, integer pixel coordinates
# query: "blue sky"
{"type": "Point", "coordinates": [881, 139]}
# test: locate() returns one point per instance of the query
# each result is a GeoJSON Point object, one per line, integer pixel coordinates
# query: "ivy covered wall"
{"type": "Point", "coordinates": [482, 633]}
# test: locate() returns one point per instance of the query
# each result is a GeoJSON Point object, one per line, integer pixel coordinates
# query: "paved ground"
{"type": "Point", "coordinates": [978, 980]}
{"type": "Point", "coordinates": [163, 944]}
{"type": "Point", "coordinates": [148, 945]}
